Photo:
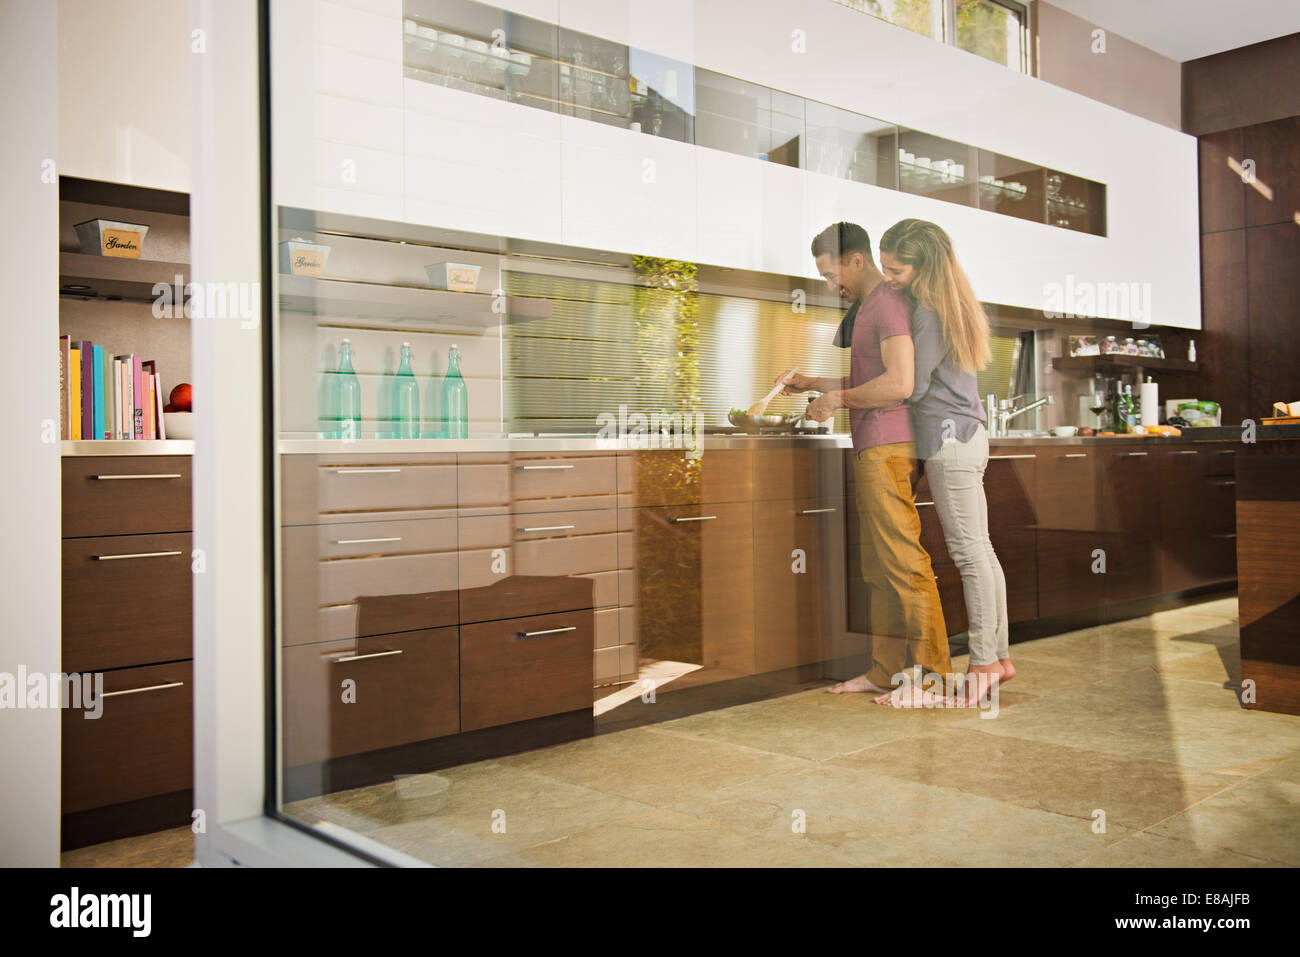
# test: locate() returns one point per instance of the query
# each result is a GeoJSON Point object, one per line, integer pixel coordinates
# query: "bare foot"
{"type": "Point", "coordinates": [979, 682]}
{"type": "Point", "coordinates": [910, 696]}
{"type": "Point", "coordinates": [859, 683]}
{"type": "Point", "coordinates": [1008, 669]}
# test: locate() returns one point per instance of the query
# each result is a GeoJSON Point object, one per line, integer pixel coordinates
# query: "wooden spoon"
{"type": "Point", "coordinates": [760, 406]}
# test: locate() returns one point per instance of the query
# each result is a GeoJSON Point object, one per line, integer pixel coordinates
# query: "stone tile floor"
{"type": "Point", "coordinates": [1137, 721]}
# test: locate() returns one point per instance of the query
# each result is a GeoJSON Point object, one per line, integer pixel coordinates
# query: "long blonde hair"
{"type": "Point", "coordinates": [942, 287]}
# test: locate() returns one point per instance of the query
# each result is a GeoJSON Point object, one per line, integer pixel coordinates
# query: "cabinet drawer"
{"type": "Point", "coordinates": [140, 746]}
{"type": "Point", "coordinates": [1219, 461]}
{"type": "Point", "coordinates": [368, 578]}
{"type": "Point", "coordinates": [126, 601]}
{"type": "Point", "coordinates": [125, 495]}
{"type": "Point", "coordinates": [952, 597]}
{"type": "Point", "coordinates": [525, 668]}
{"type": "Point", "coordinates": [404, 688]}
{"type": "Point", "coordinates": [506, 482]}
{"type": "Point", "coordinates": [536, 545]}
{"type": "Point", "coordinates": [798, 473]}
{"type": "Point", "coordinates": [654, 478]}
{"type": "Point", "coordinates": [342, 488]}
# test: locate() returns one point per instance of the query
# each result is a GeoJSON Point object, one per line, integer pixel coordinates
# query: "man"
{"type": "Point", "coordinates": [906, 618]}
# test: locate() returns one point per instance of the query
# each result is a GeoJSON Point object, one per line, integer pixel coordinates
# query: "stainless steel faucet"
{"type": "Point", "coordinates": [1005, 411]}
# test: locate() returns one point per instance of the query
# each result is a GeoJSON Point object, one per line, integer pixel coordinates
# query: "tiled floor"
{"type": "Point", "coordinates": [1136, 724]}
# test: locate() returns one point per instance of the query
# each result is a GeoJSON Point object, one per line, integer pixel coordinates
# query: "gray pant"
{"type": "Point", "coordinates": [956, 476]}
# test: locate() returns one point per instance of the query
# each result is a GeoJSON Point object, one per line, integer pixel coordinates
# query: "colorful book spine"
{"type": "Point", "coordinates": [87, 389]}
{"type": "Point", "coordinates": [158, 408]}
{"type": "Point", "coordinates": [65, 424]}
{"type": "Point", "coordinates": [117, 397]}
{"type": "Point", "coordinates": [137, 382]}
{"type": "Point", "coordinates": [74, 393]}
{"type": "Point", "coordinates": [107, 393]}
{"type": "Point", "coordinates": [97, 387]}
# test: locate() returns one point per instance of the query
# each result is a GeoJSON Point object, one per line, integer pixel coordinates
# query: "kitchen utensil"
{"type": "Point", "coordinates": [764, 423]}
{"type": "Point", "coordinates": [757, 408]}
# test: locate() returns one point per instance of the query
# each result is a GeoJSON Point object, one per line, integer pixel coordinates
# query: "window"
{"type": "Point", "coordinates": [993, 29]}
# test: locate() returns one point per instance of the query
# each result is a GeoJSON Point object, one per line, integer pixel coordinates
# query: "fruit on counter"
{"type": "Point", "coordinates": [1087, 430]}
{"type": "Point", "coordinates": [1105, 433]}
{"type": "Point", "coordinates": [170, 408]}
{"type": "Point", "coordinates": [180, 398]}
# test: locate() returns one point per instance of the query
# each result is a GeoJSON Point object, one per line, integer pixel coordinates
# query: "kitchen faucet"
{"type": "Point", "coordinates": [1000, 413]}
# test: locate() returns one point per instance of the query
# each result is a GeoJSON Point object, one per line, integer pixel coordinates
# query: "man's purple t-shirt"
{"type": "Point", "coordinates": [883, 313]}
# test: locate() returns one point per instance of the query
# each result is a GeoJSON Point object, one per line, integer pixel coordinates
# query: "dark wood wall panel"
{"type": "Point", "coordinates": [1224, 347]}
{"type": "Point", "coordinates": [1273, 268]}
{"type": "Point", "coordinates": [1223, 194]}
{"type": "Point", "coordinates": [1275, 148]}
{"type": "Point", "coordinates": [1242, 87]}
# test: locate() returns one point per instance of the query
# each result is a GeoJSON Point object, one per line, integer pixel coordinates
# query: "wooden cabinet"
{"type": "Point", "coordinates": [126, 601]}
{"type": "Point", "coordinates": [1130, 523]}
{"type": "Point", "coordinates": [798, 552]}
{"type": "Point", "coordinates": [1009, 484]}
{"type": "Point", "coordinates": [654, 477]}
{"type": "Point", "coordinates": [350, 487]}
{"type": "Point", "coordinates": [1066, 500]}
{"type": "Point", "coordinates": [363, 694]}
{"type": "Point", "coordinates": [523, 668]}
{"type": "Point", "coordinates": [516, 482]}
{"type": "Point", "coordinates": [138, 748]}
{"type": "Point", "coordinates": [1197, 517]}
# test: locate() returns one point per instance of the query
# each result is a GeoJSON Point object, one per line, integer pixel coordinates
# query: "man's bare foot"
{"type": "Point", "coordinates": [859, 683]}
{"type": "Point", "coordinates": [910, 696]}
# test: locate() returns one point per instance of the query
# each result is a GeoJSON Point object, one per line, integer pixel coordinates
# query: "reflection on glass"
{"type": "Point", "coordinates": [850, 146]}
{"type": "Point", "coordinates": [991, 30]}
{"type": "Point", "coordinates": [920, 16]}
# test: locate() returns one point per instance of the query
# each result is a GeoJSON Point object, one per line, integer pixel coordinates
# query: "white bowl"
{"type": "Point", "coordinates": [180, 425]}
{"type": "Point", "coordinates": [1065, 431]}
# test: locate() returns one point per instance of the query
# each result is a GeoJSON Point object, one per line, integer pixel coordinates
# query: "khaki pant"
{"type": "Point", "coordinates": [907, 626]}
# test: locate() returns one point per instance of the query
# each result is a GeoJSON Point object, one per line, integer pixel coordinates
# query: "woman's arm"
{"type": "Point", "coordinates": [930, 349]}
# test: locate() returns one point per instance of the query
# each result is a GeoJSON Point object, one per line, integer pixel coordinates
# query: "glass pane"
{"type": "Point", "coordinates": [990, 30]}
{"type": "Point", "coordinates": [939, 168]}
{"type": "Point", "coordinates": [920, 16]}
{"type": "Point", "coordinates": [851, 146]}
{"type": "Point", "coordinates": [663, 96]}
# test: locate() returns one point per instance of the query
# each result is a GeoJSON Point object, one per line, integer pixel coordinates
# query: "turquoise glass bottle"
{"type": "Point", "coordinates": [455, 399]}
{"type": "Point", "coordinates": [347, 406]}
{"type": "Point", "coordinates": [406, 399]}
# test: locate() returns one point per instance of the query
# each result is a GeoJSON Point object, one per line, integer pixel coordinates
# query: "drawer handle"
{"type": "Point", "coordinates": [376, 654]}
{"type": "Point", "coordinates": [545, 528]}
{"type": "Point", "coordinates": [113, 558]}
{"type": "Point", "coordinates": [160, 475]}
{"type": "Point", "coordinates": [692, 518]}
{"type": "Point", "coordinates": [1227, 482]}
{"type": "Point", "coordinates": [1224, 535]}
{"type": "Point", "coordinates": [1031, 455]}
{"type": "Point", "coordinates": [170, 684]}
{"type": "Point", "coordinates": [919, 504]}
{"type": "Point", "coordinates": [546, 631]}
{"type": "Point", "coordinates": [1226, 452]}
{"type": "Point", "coordinates": [364, 541]}
{"type": "Point", "coordinates": [1188, 452]}
{"type": "Point", "coordinates": [1135, 453]}
{"type": "Point", "coordinates": [540, 468]}
{"type": "Point", "coordinates": [375, 471]}
{"type": "Point", "coordinates": [1075, 455]}
{"type": "Point", "coordinates": [817, 511]}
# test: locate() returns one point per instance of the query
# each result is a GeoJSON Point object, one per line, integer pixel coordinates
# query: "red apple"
{"type": "Point", "coordinates": [169, 407]}
{"type": "Point", "coordinates": [180, 398]}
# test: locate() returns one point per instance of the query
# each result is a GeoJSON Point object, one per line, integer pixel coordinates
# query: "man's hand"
{"type": "Point", "coordinates": [794, 383]}
{"type": "Point", "coordinates": [824, 406]}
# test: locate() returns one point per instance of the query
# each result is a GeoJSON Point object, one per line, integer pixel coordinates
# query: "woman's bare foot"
{"type": "Point", "coordinates": [979, 681]}
{"type": "Point", "coordinates": [1008, 669]}
{"type": "Point", "coordinates": [859, 683]}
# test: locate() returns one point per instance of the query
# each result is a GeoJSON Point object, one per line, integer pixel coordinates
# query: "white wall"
{"type": "Point", "coordinates": [124, 93]}
{"type": "Point", "coordinates": [466, 162]}
{"type": "Point", "coordinates": [29, 477]}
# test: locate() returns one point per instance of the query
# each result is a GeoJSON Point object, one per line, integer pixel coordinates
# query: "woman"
{"type": "Point", "coordinates": [951, 336]}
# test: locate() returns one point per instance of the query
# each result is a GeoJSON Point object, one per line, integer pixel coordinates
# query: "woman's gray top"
{"type": "Point", "coordinates": [945, 399]}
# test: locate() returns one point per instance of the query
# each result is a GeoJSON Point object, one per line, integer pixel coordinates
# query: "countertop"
{"type": "Point", "coordinates": [590, 443]}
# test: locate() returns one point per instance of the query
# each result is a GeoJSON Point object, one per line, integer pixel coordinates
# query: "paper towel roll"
{"type": "Point", "coordinates": [1150, 403]}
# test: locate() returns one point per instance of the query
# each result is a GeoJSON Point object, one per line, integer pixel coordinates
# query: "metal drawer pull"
{"type": "Point", "coordinates": [364, 541]}
{"type": "Point", "coordinates": [1188, 452]}
{"type": "Point", "coordinates": [170, 684]}
{"type": "Point", "coordinates": [1135, 453]}
{"type": "Point", "coordinates": [113, 558]}
{"type": "Point", "coordinates": [816, 511]}
{"type": "Point", "coordinates": [1226, 452]}
{"type": "Point", "coordinates": [374, 471]}
{"type": "Point", "coordinates": [1227, 482]}
{"type": "Point", "coordinates": [1075, 455]}
{"type": "Point", "coordinates": [919, 504]}
{"type": "Point", "coordinates": [160, 475]}
{"type": "Point", "coordinates": [376, 654]}
{"type": "Point", "coordinates": [540, 468]}
{"type": "Point", "coordinates": [1224, 535]}
{"type": "Point", "coordinates": [692, 518]}
{"type": "Point", "coordinates": [545, 528]}
{"type": "Point", "coordinates": [1031, 455]}
{"type": "Point", "coordinates": [547, 631]}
